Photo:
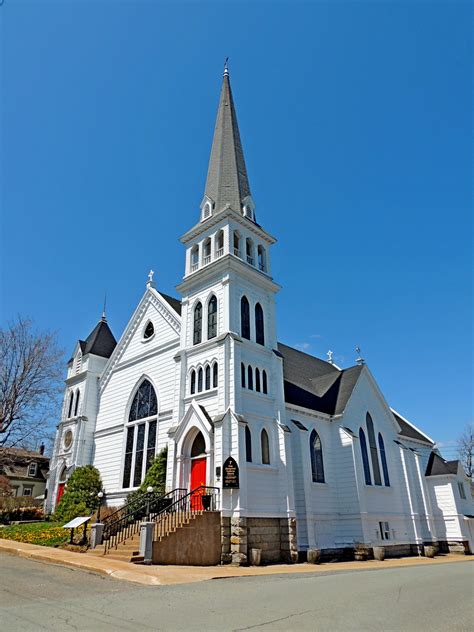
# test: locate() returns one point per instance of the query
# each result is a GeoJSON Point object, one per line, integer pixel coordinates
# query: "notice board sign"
{"type": "Point", "coordinates": [230, 479]}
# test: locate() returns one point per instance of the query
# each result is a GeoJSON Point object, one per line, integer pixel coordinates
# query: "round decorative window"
{"type": "Point", "coordinates": [149, 331]}
{"type": "Point", "coordinates": [68, 439]}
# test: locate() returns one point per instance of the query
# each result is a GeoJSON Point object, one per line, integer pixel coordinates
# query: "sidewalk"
{"type": "Point", "coordinates": [163, 575]}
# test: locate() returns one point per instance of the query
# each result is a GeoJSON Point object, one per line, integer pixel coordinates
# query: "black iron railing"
{"type": "Point", "coordinates": [125, 522]}
{"type": "Point", "coordinates": [201, 499]}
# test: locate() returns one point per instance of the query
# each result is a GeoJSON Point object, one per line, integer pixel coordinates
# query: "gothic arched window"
{"type": "Point", "coordinates": [264, 380]}
{"type": "Point", "coordinates": [212, 318]}
{"type": "Point", "coordinates": [373, 450]}
{"type": "Point", "coordinates": [259, 325]}
{"type": "Point", "coordinates": [250, 378]}
{"type": "Point", "coordinates": [197, 331]}
{"type": "Point", "coordinates": [257, 380]}
{"type": "Point", "coordinates": [76, 405]}
{"type": "Point", "coordinates": [215, 375]}
{"type": "Point", "coordinates": [242, 374]}
{"type": "Point", "coordinates": [71, 401]}
{"type": "Point", "coordinates": [316, 451]}
{"type": "Point", "coordinates": [265, 447]}
{"type": "Point", "coordinates": [141, 437]}
{"type": "Point", "coordinates": [248, 445]}
{"type": "Point", "coordinates": [193, 382]}
{"type": "Point", "coordinates": [365, 457]}
{"type": "Point", "coordinates": [383, 458]}
{"type": "Point", "coordinates": [200, 380]}
{"type": "Point", "coordinates": [149, 330]}
{"type": "Point", "coordinates": [208, 378]}
{"type": "Point", "coordinates": [245, 318]}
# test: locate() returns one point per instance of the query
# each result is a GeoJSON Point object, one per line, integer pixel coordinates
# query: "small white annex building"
{"type": "Point", "coordinates": [323, 460]}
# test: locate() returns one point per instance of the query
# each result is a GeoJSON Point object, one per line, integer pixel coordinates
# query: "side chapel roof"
{"type": "Point", "coordinates": [438, 466]}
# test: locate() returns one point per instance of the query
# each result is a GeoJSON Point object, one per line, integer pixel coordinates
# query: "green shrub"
{"type": "Point", "coordinates": [80, 495]}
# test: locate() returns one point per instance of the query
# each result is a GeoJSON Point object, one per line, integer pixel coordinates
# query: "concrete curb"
{"type": "Point", "coordinates": [167, 575]}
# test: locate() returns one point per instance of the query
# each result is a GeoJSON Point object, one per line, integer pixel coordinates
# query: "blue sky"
{"type": "Point", "coordinates": [356, 124]}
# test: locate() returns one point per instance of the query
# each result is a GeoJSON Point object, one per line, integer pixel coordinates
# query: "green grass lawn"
{"type": "Point", "coordinates": [43, 533]}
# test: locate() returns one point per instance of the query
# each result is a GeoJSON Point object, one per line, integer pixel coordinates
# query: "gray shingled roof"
{"type": "Point", "coordinates": [174, 302]}
{"type": "Point", "coordinates": [316, 384]}
{"type": "Point", "coordinates": [100, 341]}
{"type": "Point", "coordinates": [438, 466]}
{"type": "Point", "coordinates": [407, 430]}
{"type": "Point", "coordinates": [227, 181]}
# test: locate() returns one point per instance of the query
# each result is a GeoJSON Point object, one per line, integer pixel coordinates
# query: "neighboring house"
{"type": "Point", "coordinates": [27, 471]}
{"type": "Point", "coordinates": [324, 462]}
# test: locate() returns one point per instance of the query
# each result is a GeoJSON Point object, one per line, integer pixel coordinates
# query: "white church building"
{"type": "Point", "coordinates": [323, 460]}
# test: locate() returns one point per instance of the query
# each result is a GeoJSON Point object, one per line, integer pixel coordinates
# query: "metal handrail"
{"type": "Point", "coordinates": [200, 499]}
{"type": "Point", "coordinates": [128, 518]}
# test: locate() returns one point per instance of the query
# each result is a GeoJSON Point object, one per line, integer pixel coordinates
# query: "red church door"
{"type": "Point", "coordinates": [198, 478]}
{"type": "Point", "coordinates": [60, 492]}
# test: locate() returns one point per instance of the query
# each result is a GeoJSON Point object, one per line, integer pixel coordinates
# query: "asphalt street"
{"type": "Point", "coordinates": [38, 596]}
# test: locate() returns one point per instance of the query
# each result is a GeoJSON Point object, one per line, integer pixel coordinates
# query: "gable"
{"type": "Point", "coordinates": [132, 345]}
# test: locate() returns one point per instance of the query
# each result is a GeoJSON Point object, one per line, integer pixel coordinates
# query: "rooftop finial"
{"type": "Point", "coordinates": [150, 282]}
{"type": "Point", "coordinates": [360, 360]}
{"type": "Point", "coordinates": [329, 355]}
{"type": "Point", "coordinates": [104, 317]}
{"type": "Point", "coordinates": [226, 69]}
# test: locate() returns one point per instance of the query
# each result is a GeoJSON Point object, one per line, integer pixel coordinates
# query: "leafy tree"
{"type": "Point", "coordinates": [466, 449]}
{"type": "Point", "coordinates": [31, 365]}
{"type": "Point", "coordinates": [156, 477]}
{"type": "Point", "coordinates": [80, 495]}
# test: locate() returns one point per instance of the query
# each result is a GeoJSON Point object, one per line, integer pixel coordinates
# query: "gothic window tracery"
{"type": "Point", "coordinates": [197, 331]}
{"type": "Point", "coordinates": [317, 465]}
{"type": "Point", "coordinates": [259, 325]}
{"type": "Point", "coordinates": [212, 318]}
{"type": "Point", "coordinates": [141, 435]}
{"type": "Point", "coordinates": [245, 317]}
{"type": "Point", "coordinates": [265, 445]}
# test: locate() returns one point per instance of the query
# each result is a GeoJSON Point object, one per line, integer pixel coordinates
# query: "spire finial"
{"type": "Point", "coordinates": [226, 68]}
{"type": "Point", "coordinates": [104, 317]}
{"type": "Point", "coordinates": [150, 282]}
{"type": "Point", "coordinates": [329, 355]}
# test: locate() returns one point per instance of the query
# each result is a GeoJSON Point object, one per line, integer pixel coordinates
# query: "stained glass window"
{"type": "Point", "coordinates": [212, 318]}
{"type": "Point", "coordinates": [317, 465]}
{"type": "Point", "coordinates": [197, 332]}
{"type": "Point", "coordinates": [144, 403]}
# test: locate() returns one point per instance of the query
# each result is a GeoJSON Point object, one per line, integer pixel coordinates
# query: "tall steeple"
{"type": "Point", "coordinates": [227, 182]}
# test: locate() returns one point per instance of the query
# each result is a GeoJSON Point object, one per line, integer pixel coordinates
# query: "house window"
{"type": "Point", "coordinates": [384, 530]}
{"type": "Point", "coordinates": [215, 375]}
{"type": "Point", "coordinates": [208, 378]}
{"type": "Point", "coordinates": [265, 447]}
{"type": "Point", "coordinates": [197, 332]}
{"type": "Point", "coordinates": [212, 318]}
{"type": "Point", "coordinates": [149, 330]}
{"type": "Point", "coordinates": [242, 374]}
{"type": "Point", "coordinates": [383, 458]}
{"type": "Point", "coordinates": [365, 457]}
{"type": "Point", "coordinates": [264, 381]}
{"type": "Point", "coordinates": [27, 491]}
{"type": "Point", "coordinates": [461, 489]}
{"type": "Point", "coordinates": [250, 378]}
{"type": "Point", "coordinates": [317, 466]}
{"type": "Point", "coordinates": [32, 469]}
{"type": "Point", "coordinates": [373, 450]}
{"type": "Point", "coordinates": [259, 325]}
{"type": "Point", "coordinates": [141, 437]}
{"type": "Point", "coordinates": [248, 445]}
{"type": "Point", "coordinates": [193, 382]}
{"type": "Point", "coordinates": [245, 318]}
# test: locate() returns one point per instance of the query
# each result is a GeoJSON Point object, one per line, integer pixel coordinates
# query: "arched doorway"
{"type": "Point", "coordinates": [61, 484]}
{"type": "Point", "coordinates": [198, 462]}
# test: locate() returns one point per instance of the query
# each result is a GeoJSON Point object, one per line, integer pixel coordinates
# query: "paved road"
{"type": "Point", "coordinates": [37, 596]}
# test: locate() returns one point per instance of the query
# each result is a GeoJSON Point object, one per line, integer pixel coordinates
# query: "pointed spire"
{"type": "Point", "coordinates": [104, 317]}
{"type": "Point", "coordinates": [227, 182]}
